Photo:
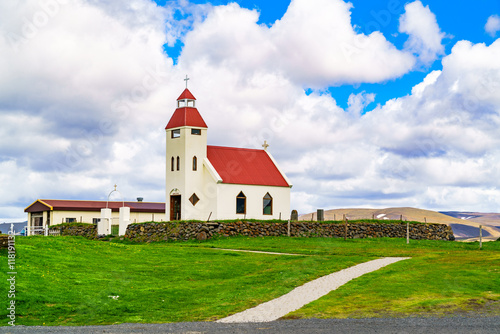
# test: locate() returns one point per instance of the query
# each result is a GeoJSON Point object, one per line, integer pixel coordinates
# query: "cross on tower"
{"type": "Point", "coordinates": [266, 145]}
{"type": "Point", "coordinates": [186, 81]}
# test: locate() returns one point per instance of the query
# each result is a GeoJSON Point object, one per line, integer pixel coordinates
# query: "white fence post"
{"type": "Point", "coordinates": [103, 226]}
{"type": "Point", "coordinates": [124, 220]}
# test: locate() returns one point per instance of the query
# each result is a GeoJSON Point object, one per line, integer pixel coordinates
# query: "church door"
{"type": "Point", "coordinates": [175, 207]}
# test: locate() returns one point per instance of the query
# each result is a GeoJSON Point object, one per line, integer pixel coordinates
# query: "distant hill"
{"type": "Point", "coordinates": [466, 229]}
{"type": "Point", "coordinates": [5, 227]}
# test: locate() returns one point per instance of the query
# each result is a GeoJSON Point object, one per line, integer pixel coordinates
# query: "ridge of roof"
{"type": "Point", "coordinates": [186, 94]}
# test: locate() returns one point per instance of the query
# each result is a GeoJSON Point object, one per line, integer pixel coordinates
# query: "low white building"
{"type": "Point", "coordinates": [44, 213]}
{"type": "Point", "coordinates": [214, 182]}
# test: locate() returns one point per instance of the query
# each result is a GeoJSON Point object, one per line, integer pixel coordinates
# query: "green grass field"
{"type": "Point", "coordinates": [69, 280]}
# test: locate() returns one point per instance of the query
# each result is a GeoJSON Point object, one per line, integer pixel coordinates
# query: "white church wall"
{"type": "Point", "coordinates": [227, 194]}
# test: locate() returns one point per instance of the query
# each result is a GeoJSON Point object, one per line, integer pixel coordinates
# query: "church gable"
{"type": "Point", "coordinates": [245, 166]}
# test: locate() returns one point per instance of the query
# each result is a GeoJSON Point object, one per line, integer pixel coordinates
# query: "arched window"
{"type": "Point", "coordinates": [267, 204]}
{"type": "Point", "coordinates": [241, 203]}
{"type": "Point", "coordinates": [172, 163]}
{"type": "Point", "coordinates": [178, 163]}
{"type": "Point", "coordinates": [195, 163]}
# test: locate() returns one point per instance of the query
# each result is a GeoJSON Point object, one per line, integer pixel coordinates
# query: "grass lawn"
{"type": "Point", "coordinates": [68, 280]}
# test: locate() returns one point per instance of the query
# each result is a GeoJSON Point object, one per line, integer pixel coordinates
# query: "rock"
{"type": "Point", "coordinates": [202, 236]}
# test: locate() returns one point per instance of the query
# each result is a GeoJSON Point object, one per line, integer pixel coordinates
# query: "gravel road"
{"type": "Point", "coordinates": [448, 325]}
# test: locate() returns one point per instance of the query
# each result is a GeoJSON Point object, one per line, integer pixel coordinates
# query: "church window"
{"type": "Point", "coordinates": [176, 133]}
{"type": "Point", "coordinates": [196, 131]}
{"type": "Point", "coordinates": [241, 203]}
{"type": "Point", "coordinates": [178, 163]}
{"type": "Point", "coordinates": [194, 199]}
{"type": "Point", "coordinates": [268, 205]}
{"type": "Point", "coordinates": [172, 164]}
{"type": "Point", "coordinates": [195, 163]}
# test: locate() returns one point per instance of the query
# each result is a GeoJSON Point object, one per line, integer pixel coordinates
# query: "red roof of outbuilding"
{"type": "Point", "coordinates": [186, 116]}
{"type": "Point", "coordinates": [75, 205]}
{"type": "Point", "coordinates": [245, 166]}
{"type": "Point", "coordinates": [186, 94]}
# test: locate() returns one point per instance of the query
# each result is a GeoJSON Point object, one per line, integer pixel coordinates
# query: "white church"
{"type": "Point", "coordinates": [205, 182]}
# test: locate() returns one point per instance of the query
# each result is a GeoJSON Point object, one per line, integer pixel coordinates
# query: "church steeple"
{"type": "Point", "coordinates": [186, 99]}
{"type": "Point", "coordinates": [186, 113]}
{"type": "Point", "coordinates": [186, 151]}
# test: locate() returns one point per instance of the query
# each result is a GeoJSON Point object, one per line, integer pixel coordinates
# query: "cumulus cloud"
{"type": "Point", "coordinates": [492, 26]}
{"type": "Point", "coordinates": [311, 47]}
{"type": "Point", "coordinates": [358, 102]}
{"type": "Point", "coordinates": [425, 36]}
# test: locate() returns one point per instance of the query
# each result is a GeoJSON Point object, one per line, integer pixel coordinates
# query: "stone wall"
{"type": "Point", "coordinates": [4, 241]}
{"type": "Point", "coordinates": [76, 229]}
{"type": "Point", "coordinates": [200, 230]}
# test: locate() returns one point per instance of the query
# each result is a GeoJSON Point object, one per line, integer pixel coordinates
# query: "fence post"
{"type": "Point", "coordinates": [480, 236]}
{"type": "Point", "coordinates": [288, 227]}
{"type": "Point", "coordinates": [407, 232]}
{"type": "Point", "coordinates": [46, 230]}
{"type": "Point", "coordinates": [345, 224]}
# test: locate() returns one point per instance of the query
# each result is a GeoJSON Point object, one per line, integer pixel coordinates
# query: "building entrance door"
{"type": "Point", "coordinates": [175, 207]}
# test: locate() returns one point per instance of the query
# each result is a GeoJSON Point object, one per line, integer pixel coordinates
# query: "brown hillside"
{"type": "Point", "coordinates": [410, 214]}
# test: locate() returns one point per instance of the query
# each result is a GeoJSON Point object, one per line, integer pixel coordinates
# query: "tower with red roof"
{"type": "Point", "coordinates": [215, 182]}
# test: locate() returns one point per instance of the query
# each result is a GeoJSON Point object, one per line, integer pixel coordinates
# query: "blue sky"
{"type": "Point", "coordinates": [365, 104]}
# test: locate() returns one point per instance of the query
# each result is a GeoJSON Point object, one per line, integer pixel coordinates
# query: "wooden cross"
{"type": "Point", "coordinates": [266, 145]}
{"type": "Point", "coordinates": [186, 81]}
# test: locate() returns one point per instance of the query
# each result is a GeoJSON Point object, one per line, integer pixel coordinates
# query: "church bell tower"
{"type": "Point", "coordinates": [186, 150]}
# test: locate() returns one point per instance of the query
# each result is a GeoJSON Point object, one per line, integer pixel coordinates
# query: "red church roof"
{"type": "Point", "coordinates": [245, 166]}
{"type": "Point", "coordinates": [186, 94]}
{"type": "Point", "coordinates": [75, 205]}
{"type": "Point", "coordinates": [186, 116]}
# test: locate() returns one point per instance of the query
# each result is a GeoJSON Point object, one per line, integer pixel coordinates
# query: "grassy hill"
{"type": "Point", "coordinates": [75, 281]}
{"type": "Point", "coordinates": [413, 214]}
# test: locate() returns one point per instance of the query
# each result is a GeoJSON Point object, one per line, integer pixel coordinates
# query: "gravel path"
{"type": "Point", "coordinates": [302, 295]}
{"type": "Point", "coordinates": [260, 252]}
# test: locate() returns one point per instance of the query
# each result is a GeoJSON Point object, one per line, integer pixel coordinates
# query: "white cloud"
{"type": "Point", "coordinates": [424, 33]}
{"type": "Point", "coordinates": [358, 102]}
{"type": "Point", "coordinates": [492, 26]}
{"type": "Point", "coordinates": [310, 47]}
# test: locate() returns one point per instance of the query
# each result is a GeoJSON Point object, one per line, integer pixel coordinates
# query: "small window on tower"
{"type": "Point", "coordinates": [194, 199]}
{"type": "Point", "coordinates": [195, 163]}
{"type": "Point", "coordinates": [196, 132]}
{"type": "Point", "coordinates": [178, 163]}
{"type": "Point", "coordinates": [172, 164]}
{"type": "Point", "coordinates": [176, 133]}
